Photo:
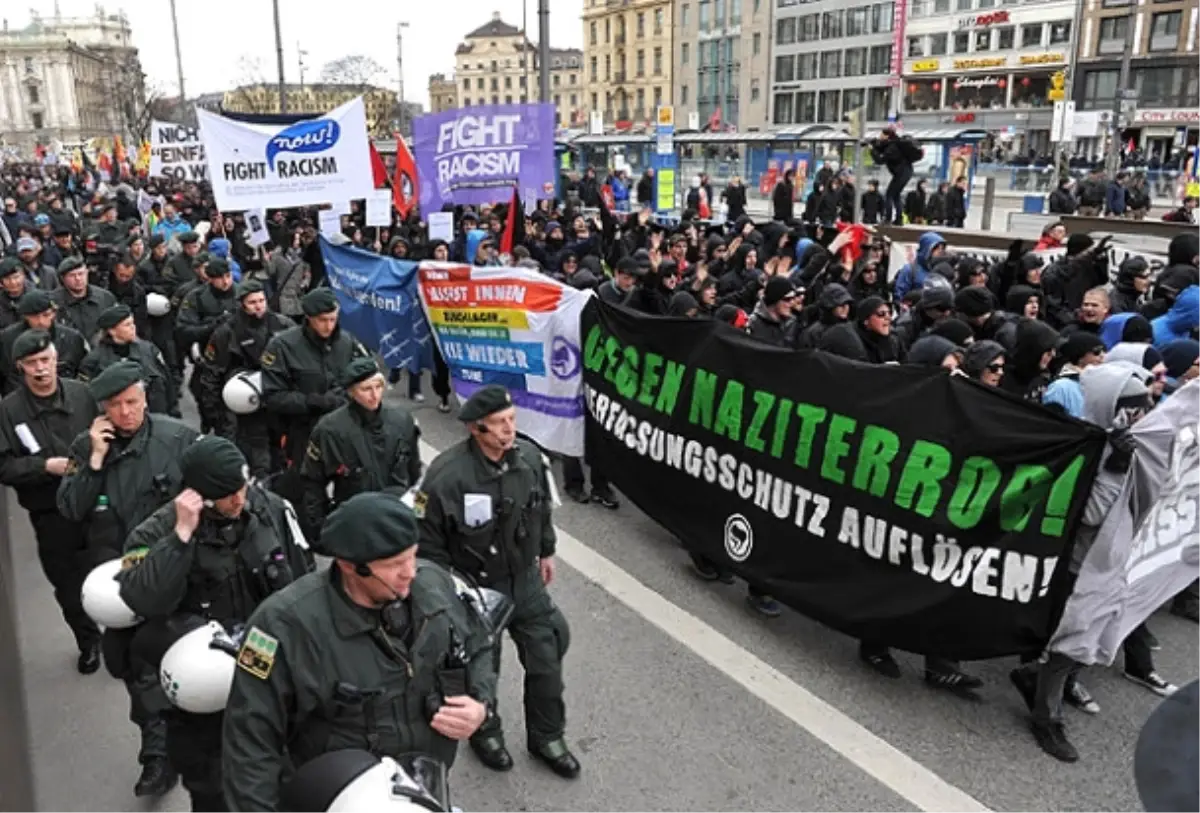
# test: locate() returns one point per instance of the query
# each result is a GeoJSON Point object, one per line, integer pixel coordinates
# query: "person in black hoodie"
{"type": "Point", "coordinates": [1084, 267]}
{"type": "Point", "coordinates": [935, 207]}
{"type": "Point", "coordinates": [772, 321]}
{"type": "Point", "coordinates": [1092, 191]}
{"type": "Point", "coordinates": [868, 281]}
{"type": "Point", "coordinates": [833, 307]}
{"type": "Point", "coordinates": [740, 283]}
{"type": "Point", "coordinates": [1133, 280]}
{"type": "Point", "coordinates": [898, 155]}
{"type": "Point", "coordinates": [1183, 253]}
{"type": "Point", "coordinates": [956, 204]}
{"type": "Point", "coordinates": [654, 290]}
{"type": "Point", "coordinates": [1023, 302]}
{"type": "Point", "coordinates": [783, 197]}
{"type": "Point", "coordinates": [734, 196]}
{"type": "Point", "coordinates": [829, 203]}
{"type": "Point", "coordinates": [873, 326]}
{"type": "Point", "coordinates": [977, 307]}
{"type": "Point", "coordinates": [1027, 372]}
{"type": "Point", "coordinates": [1062, 201]}
{"type": "Point", "coordinates": [872, 203]}
{"type": "Point", "coordinates": [914, 203]}
{"type": "Point", "coordinates": [645, 189]}
{"type": "Point", "coordinates": [616, 291]}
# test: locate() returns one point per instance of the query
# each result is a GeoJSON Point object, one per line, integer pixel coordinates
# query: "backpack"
{"type": "Point", "coordinates": [912, 152]}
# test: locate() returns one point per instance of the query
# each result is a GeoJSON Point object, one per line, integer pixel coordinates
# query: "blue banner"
{"type": "Point", "coordinates": [380, 304]}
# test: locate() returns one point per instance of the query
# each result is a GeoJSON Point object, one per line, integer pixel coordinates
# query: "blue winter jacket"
{"type": "Point", "coordinates": [912, 276]}
{"type": "Point", "coordinates": [1180, 321]}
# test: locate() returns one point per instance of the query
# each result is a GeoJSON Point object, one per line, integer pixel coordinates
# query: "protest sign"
{"type": "Point", "coordinates": [379, 207]}
{"type": "Point", "coordinates": [176, 152]}
{"type": "Point", "coordinates": [256, 228]}
{"type": "Point", "coordinates": [478, 154]}
{"type": "Point", "coordinates": [518, 328]}
{"type": "Point", "coordinates": [306, 163]}
{"type": "Point", "coordinates": [330, 222]}
{"type": "Point", "coordinates": [893, 503]}
{"type": "Point", "coordinates": [379, 304]}
{"type": "Point", "coordinates": [441, 226]}
{"type": "Point", "coordinates": [1147, 549]}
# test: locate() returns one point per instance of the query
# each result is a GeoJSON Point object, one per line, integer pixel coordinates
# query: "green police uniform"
{"type": "Point", "coordinates": [139, 474]}
{"type": "Point", "coordinates": [501, 550]}
{"type": "Point", "coordinates": [359, 451]}
{"type": "Point", "coordinates": [222, 573]}
{"type": "Point", "coordinates": [318, 672]}
{"type": "Point", "coordinates": [160, 389]}
{"type": "Point", "coordinates": [8, 304]}
{"type": "Point", "coordinates": [82, 313]}
{"type": "Point", "coordinates": [70, 344]}
{"type": "Point", "coordinates": [202, 310]}
{"type": "Point", "coordinates": [302, 379]}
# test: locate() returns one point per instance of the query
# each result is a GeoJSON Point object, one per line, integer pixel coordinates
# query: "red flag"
{"type": "Point", "coordinates": [404, 185]}
{"type": "Point", "coordinates": [514, 225]}
{"type": "Point", "coordinates": [378, 169]}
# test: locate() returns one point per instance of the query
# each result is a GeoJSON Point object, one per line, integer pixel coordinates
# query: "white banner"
{"type": "Point", "coordinates": [904, 253]}
{"type": "Point", "coordinates": [256, 166]}
{"type": "Point", "coordinates": [176, 152]}
{"type": "Point", "coordinates": [518, 328]}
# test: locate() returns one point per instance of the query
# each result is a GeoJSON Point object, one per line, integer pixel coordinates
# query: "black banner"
{"type": "Point", "coordinates": [895, 503]}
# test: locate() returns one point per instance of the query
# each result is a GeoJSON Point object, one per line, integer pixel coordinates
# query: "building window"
{"type": "Point", "coordinates": [658, 21]}
{"type": "Point", "coordinates": [856, 62]}
{"type": "Point", "coordinates": [658, 61]}
{"type": "Point", "coordinates": [756, 43]}
{"type": "Point", "coordinates": [508, 82]}
{"type": "Point", "coordinates": [1112, 34]}
{"type": "Point", "coordinates": [607, 31]}
{"type": "Point", "coordinates": [830, 106]}
{"type": "Point", "coordinates": [508, 100]}
{"type": "Point", "coordinates": [592, 32]}
{"type": "Point", "coordinates": [941, 6]}
{"type": "Point", "coordinates": [1163, 87]}
{"type": "Point", "coordinates": [1031, 35]}
{"type": "Point", "coordinates": [495, 99]}
{"type": "Point", "coordinates": [754, 92]}
{"type": "Point", "coordinates": [785, 68]}
{"type": "Point", "coordinates": [977, 92]}
{"type": "Point", "coordinates": [983, 40]}
{"type": "Point", "coordinates": [608, 68]}
{"type": "Point", "coordinates": [683, 94]}
{"type": "Point", "coordinates": [808, 29]}
{"type": "Point", "coordinates": [881, 17]}
{"type": "Point", "coordinates": [806, 65]}
{"type": "Point", "coordinates": [641, 24]}
{"type": "Point", "coordinates": [851, 101]}
{"type": "Point", "coordinates": [831, 25]}
{"type": "Point", "coordinates": [783, 108]}
{"type": "Point", "coordinates": [923, 94]}
{"type": "Point", "coordinates": [856, 21]}
{"type": "Point", "coordinates": [915, 48]}
{"type": "Point", "coordinates": [879, 103]}
{"type": "Point", "coordinates": [881, 59]}
{"type": "Point", "coordinates": [683, 53]}
{"type": "Point", "coordinates": [1006, 36]}
{"type": "Point", "coordinates": [495, 83]}
{"type": "Point", "coordinates": [573, 77]}
{"type": "Point", "coordinates": [1116, 3]}
{"type": "Point", "coordinates": [683, 16]}
{"type": "Point", "coordinates": [1164, 31]}
{"type": "Point", "coordinates": [592, 65]}
{"type": "Point", "coordinates": [1060, 32]}
{"type": "Point", "coordinates": [657, 97]}
{"type": "Point", "coordinates": [785, 33]}
{"type": "Point", "coordinates": [806, 107]}
{"type": "Point", "coordinates": [479, 83]}
{"type": "Point", "coordinates": [831, 64]}
{"type": "Point", "coordinates": [466, 84]}
{"type": "Point", "coordinates": [938, 44]}
{"type": "Point", "coordinates": [641, 62]}
{"type": "Point", "coordinates": [595, 101]}
{"type": "Point", "coordinates": [962, 42]}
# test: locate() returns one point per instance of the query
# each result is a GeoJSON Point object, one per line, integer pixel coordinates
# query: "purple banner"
{"type": "Point", "coordinates": [478, 154]}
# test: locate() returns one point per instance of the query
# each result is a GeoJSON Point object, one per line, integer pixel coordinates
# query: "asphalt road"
{"type": "Point", "coordinates": [678, 698]}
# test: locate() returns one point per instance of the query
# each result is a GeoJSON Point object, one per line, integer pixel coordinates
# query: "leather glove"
{"type": "Point", "coordinates": [322, 401]}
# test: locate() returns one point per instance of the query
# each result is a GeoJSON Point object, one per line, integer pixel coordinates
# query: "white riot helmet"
{"type": "Point", "coordinates": [243, 393]}
{"type": "Point", "coordinates": [101, 597]}
{"type": "Point", "coordinates": [197, 671]}
{"type": "Point", "coordinates": [194, 353]}
{"type": "Point", "coordinates": [157, 304]}
{"type": "Point", "coordinates": [356, 781]}
{"type": "Point", "coordinates": [491, 607]}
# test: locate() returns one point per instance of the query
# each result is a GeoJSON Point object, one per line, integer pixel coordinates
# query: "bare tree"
{"type": "Point", "coordinates": [362, 74]}
{"type": "Point", "coordinates": [251, 77]}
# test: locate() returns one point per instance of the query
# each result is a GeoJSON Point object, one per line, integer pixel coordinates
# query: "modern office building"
{"type": "Point", "coordinates": [828, 59]}
{"type": "Point", "coordinates": [986, 65]}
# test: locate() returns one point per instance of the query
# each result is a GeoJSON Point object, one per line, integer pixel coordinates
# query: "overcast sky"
{"type": "Point", "coordinates": [216, 34]}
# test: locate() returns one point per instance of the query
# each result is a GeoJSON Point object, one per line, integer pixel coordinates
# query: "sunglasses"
{"type": "Point", "coordinates": [885, 314]}
{"type": "Point", "coordinates": [996, 368]}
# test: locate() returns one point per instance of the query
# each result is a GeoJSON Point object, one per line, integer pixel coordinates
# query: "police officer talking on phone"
{"type": "Point", "coordinates": [120, 471]}
{"type": "Point", "coordinates": [485, 505]}
{"type": "Point", "coordinates": [376, 652]}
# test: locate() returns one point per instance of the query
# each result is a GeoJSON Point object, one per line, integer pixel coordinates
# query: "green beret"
{"type": "Point", "coordinates": [214, 467]}
{"type": "Point", "coordinates": [200, 259]}
{"type": "Point", "coordinates": [217, 268]}
{"type": "Point", "coordinates": [70, 264]}
{"type": "Point", "coordinates": [358, 370]}
{"type": "Point", "coordinates": [250, 286]}
{"type": "Point", "coordinates": [9, 265]}
{"type": "Point", "coordinates": [367, 527]}
{"type": "Point", "coordinates": [319, 301]}
{"type": "Point", "coordinates": [115, 379]}
{"type": "Point", "coordinates": [157, 240]}
{"type": "Point", "coordinates": [189, 237]}
{"type": "Point", "coordinates": [34, 302]}
{"type": "Point", "coordinates": [486, 401]}
{"type": "Point", "coordinates": [111, 317]}
{"type": "Point", "coordinates": [30, 342]}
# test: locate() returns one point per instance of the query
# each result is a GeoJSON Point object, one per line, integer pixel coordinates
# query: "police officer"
{"type": "Point", "coordinates": [122, 469]}
{"type": "Point", "coordinates": [180, 272]}
{"type": "Point", "coordinates": [38, 313]}
{"type": "Point", "coordinates": [376, 652]}
{"type": "Point", "coordinates": [123, 284]}
{"type": "Point", "coordinates": [12, 288]}
{"type": "Point", "coordinates": [206, 306]}
{"type": "Point", "coordinates": [119, 340]}
{"type": "Point", "coordinates": [365, 445]}
{"type": "Point", "coordinates": [38, 422]}
{"type": "Point", "coordinates": [79, 303]}
{"type": "Point", "coordinates": [302, 369]}
{"type": "Point", "coordinates": [485, 504]}
{"type": "Point", "coordinates": [152, 274]}
{"type": "Point", "coordinates": [213, 554]}
{"type": "Point", "coordinates": [236, 346]}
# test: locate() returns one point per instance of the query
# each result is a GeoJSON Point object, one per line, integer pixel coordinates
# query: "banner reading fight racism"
{"type": "Point", "coordinates": [379, 304]}
{"type": "Point", "coordinates": [307, 163]}
{"type": "Point", "coordinates": [893, 503]}
{"type": "Point", "coordinates": [518, 328]}
{"type": "Point", "coordinates": [478, 154]}
{"type": "Point", "coordinates": [176, 152]}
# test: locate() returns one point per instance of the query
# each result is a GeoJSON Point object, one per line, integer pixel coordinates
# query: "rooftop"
{"type": "Point", "coordinates": [495, 27]}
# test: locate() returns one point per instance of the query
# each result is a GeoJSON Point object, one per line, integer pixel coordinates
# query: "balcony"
{"type": "Point", "coordinates": [618, 78]}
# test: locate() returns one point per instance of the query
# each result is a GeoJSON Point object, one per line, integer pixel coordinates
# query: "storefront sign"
{"type": "Point", "coordinates": [1181, 116]}
{"type": "Point", "coordinates": [983, 20]}
{"type": "Point", "coordinates": [979, 82]}
{"type": "Point", "coordinates": [1043, 59]}
{"type": "Point", "coordinates": [926, 65]}
{"type": "Point", "coordinates": [973, 64]}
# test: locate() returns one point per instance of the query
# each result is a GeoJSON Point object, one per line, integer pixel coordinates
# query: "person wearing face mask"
{"type": "Point", "coordinates": [214, 553]}
{"type": "Point", "coordinates": [122, 469]}
{"type": "Point", "coordinates": [119, 340]}
{"type": "Point", "coordinates": [485, 506]}
{"type": "Point", "coordinates": [376, 652]}
{"type": "Point", "coordinates": [1133, 281]}
{"type": "Point", "coordinates": [237, 345]}
{"type": "Point", "coordinates": [80, 303]}
{"type": "Point", "coordinates": [364, 445]}
{"type": "Point", "coordinates": [38, 421]}
{"type": "Point", "coordinates": [38, 313]}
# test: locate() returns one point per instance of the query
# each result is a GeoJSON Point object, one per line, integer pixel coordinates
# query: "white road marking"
{"type": "Point", "coordinates": [874, 756]}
